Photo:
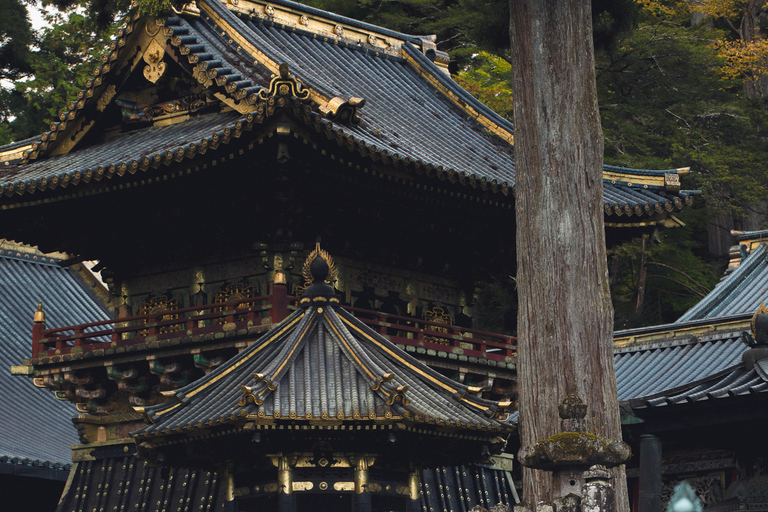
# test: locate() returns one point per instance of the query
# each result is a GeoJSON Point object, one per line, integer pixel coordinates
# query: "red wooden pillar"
{"type": "Point", "coordinates": [38, 329]}
{"type": "Point", "coordinates": [279, 298]}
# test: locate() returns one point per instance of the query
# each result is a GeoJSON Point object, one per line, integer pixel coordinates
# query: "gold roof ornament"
{"type": "Point", "coordinates": [317, 252]}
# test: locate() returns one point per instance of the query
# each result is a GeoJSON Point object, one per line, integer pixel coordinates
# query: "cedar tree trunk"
{"type": "Point", "coordinates": [565, 321]}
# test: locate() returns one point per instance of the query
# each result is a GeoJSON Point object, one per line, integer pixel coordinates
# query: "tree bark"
{"type": "Point", "coordinates": [565, 320]}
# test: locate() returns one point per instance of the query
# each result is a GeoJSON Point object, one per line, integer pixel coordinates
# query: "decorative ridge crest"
{"type": "Point", "coordinates": [284, 85]}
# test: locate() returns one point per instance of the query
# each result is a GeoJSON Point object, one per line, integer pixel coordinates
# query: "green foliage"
{"type": "Point", "coordinates": [16, 36]}
{"type": "Point", "coordinates": [664, 105]}
{"type": "Point", "coordinates": [489, 79]}
{"type": "Point", "coordinates": [67, 53]}
{"type": "Point", "coordinates": [677, 277]}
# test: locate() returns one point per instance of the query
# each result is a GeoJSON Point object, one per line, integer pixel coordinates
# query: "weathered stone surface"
{"type": "Point", "coordinates": [569, 503]}
{"type": "Point", "coordinates": [598, 496]}
{"type": "Point", "coordinates": [574, 449]}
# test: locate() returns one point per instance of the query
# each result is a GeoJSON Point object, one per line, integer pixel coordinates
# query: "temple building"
{"type": "Point", "coordinates": [210, 152]}
{"type": "Point", "coordinates": [693, 392]}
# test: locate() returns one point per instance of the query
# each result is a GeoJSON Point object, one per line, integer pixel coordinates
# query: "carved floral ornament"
{"type": "Point", "coordinates": [153, 56]}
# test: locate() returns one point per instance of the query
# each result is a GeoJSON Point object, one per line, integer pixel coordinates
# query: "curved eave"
{"type": "Point", "coordinates": [271, 383]}
{"type": "Point", "coordinates": [733, 383]}
{"type": "Point", "coordinates": [76, 169]}
{"type": "Point", "coordinates": [619, 201]}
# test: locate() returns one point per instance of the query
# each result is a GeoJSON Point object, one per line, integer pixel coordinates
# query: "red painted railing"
{"type": "Point", "coordinates": [155, 326]}
{"type": "Point", "coordinates": [405, 330]}
{"type": "Point", "coordinates": [270, 309]}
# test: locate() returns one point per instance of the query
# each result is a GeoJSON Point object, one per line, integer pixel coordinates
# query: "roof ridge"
{"type": "Point", "coordinates": [330, 16]}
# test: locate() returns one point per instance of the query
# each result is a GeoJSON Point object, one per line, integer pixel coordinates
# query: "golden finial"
{"type": "Point", "coordinates": [39, 314]}
{"type": "Point", "coordinates": [318, 252]}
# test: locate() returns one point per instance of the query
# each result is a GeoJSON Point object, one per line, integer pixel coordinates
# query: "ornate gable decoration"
{"type": "Point", "coordinates": [283, 87]}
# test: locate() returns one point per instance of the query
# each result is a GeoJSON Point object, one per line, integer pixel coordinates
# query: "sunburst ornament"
{"type": "Point", "coordinates": [319, 253]}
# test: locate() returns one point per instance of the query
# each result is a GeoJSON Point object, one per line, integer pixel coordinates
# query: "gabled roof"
{"type": "Point", "coordinates": [27, 277]}
{"type": "Point", "coordinates": [739, 293]}
{"type": "Point", "coordinates": [375, 92]}
{"type": "Point", "coordinates": [322, 364]}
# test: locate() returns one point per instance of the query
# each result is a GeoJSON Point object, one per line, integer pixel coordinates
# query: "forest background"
{"type": "Point", "coordinates": [681, 83]}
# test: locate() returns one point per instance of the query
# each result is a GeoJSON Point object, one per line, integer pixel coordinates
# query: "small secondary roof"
{"type": "Point", "coordinates": [34, 425]}
{"type": "Point", "coordinates": [322, 364]}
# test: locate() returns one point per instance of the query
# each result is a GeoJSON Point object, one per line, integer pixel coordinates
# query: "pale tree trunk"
{"type": "Point", "coordinates": [565, 321]}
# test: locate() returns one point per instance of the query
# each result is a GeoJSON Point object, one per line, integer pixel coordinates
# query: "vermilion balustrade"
{"type": "Point", "coordinates": [270, 309]}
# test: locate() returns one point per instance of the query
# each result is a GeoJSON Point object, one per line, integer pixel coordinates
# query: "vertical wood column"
{"type": "Point", "coordinates": [285, 501]}
{"type": "Point", "coordinates": [414, 485]}
{"type": "Point", "coordinates": [650, 472]}
{"type": "Point", "coordinates": [279, 297]}
{"type": "Point", "coordinates": [362, 496]}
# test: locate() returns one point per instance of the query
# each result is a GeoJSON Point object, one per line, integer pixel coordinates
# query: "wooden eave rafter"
{"type": "Point", "coordinates": [430, 426]}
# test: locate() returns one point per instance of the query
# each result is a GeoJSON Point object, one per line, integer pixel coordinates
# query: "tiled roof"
{"type": "Point", "coordinates": [26, 279]}
{"type": "Point", "coordinates": [751, 235]}
{"type": "Point", "coordinates": [740, 380]}
{"type": "Point", "coordinates": [739, 293]}
{"type": "Point", "coordinates": [143, 149]}
{"type": "Point", "coordinates": [324, 364]}
{"type": "Point", "coordinates": [655, 368]}
{"type": "Point", "coordinates": [414, 114]}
